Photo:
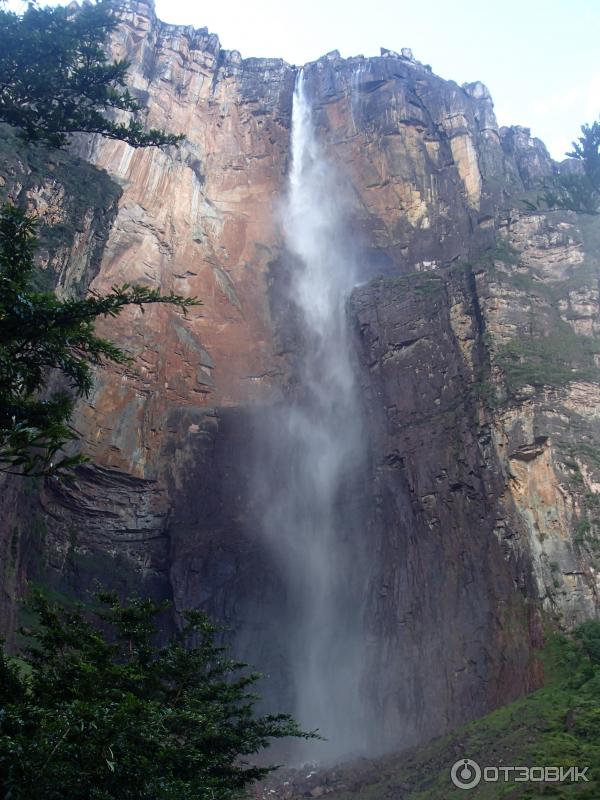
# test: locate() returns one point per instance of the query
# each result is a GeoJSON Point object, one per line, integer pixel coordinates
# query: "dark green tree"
{"type": "Point", "coordinates": [91, 715]}
{"type": "Point", "coordinates": [587, 150]}
{"type": "Point", "coordinates": [42, 337]}
{"type": "Point", "coordinates": [56, 79]}
{"type": "Point", "coordinates": [589, 635]}
{"type": "Point", "coordinates": [577, 187]}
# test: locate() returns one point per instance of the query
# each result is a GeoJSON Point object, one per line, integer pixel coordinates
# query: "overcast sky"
{"type": "Point", "coordinates": [539, 58]}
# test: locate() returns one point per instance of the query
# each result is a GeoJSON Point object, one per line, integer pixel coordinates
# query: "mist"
{"type": "Point", "coordinates": [310, 521]}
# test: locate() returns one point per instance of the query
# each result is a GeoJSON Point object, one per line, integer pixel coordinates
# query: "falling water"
{"type": "Point", "coordinates": [313, 520]}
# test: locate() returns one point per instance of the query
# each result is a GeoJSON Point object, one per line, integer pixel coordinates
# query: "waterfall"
{"type": "Point", "coordinates": [312, 518]}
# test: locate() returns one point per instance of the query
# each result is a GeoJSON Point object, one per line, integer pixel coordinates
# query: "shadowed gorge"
{"type": "Point", "coordinates": [372, 453]}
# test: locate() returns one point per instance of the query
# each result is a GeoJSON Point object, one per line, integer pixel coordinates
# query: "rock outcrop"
{"type": "Point", "coordinates": [476, 329]}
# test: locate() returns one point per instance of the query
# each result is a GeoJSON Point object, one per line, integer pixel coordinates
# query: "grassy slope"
{"type": "Point", "coordinates": [558, 725]}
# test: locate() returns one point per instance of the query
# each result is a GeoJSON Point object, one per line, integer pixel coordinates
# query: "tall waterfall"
{"type": "Point", "coordinates": [312, 520]}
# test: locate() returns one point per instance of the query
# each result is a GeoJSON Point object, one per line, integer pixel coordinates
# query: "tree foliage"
{"type": "Point", "coordinates": [588, 634]}
{"type": "Point", "coordinates": [41, 335]}
{"type": "Point", "coordinates": [578, 189]}
{"type": "Point", "coordinates": [109, 715]}
{"type": "Point", "coordinates": [56, 79]}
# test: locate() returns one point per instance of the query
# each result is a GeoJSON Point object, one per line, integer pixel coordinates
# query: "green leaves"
{"type": "Point", "coordinates": [570, 192]}
{"type": "Point", "coordinates": [42, 337]}
{"type": "Point", "coordinates": [55, 77]}
{"type": "Point", "coordinates": [587, 150]}
{"type": "Point", "coordinates": [589, 635]}
{"type": "Point", "coordinates": [576, 189]}
{"type": "Point", "coordinates": [112, 715]}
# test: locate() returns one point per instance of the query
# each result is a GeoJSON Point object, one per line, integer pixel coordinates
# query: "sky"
{"type": "Point", "coordinates": [537, 57]}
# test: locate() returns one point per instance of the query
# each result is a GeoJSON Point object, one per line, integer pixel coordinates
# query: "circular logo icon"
{"type": "Point", "coordinates": [465, 774]}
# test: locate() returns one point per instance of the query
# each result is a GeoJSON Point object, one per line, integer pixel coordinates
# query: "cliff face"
{"type": "Point", "coordinates": [476, 332]}
{"type": "Point", "coordinates": [75, 206]}
{"type": "Point", "coordinates": [482, 379]}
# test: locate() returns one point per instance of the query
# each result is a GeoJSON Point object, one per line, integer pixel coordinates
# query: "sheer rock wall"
{"type": "Point", "coordinates": [476, 329]}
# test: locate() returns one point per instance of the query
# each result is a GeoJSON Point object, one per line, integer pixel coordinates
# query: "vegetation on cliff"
{"type": "Point", "coordinates": [99, 711]}
{"type": "Point", "coordinates": [56, 80]}
{"type": "Point", "coordinates": [577, 187]}
{"type": "Point", "coordinates": [558, 725]}
{"type": "Point", "coordinates": [551, 360]}
{"type": "Point", "coordinates": [38, 334]}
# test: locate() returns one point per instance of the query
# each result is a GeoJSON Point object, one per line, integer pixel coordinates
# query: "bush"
{"type": "Point", "coordinates": [98, 711]}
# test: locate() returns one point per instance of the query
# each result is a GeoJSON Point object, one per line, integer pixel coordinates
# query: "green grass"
{"type": "Point", "coordinates": [587, 452]}
{"type": "Point", "coordinates": [553, 360]}
{"type": "Point", "coordinates": [559, 725]}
